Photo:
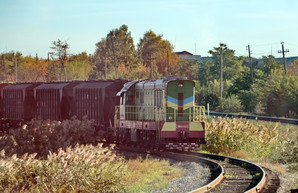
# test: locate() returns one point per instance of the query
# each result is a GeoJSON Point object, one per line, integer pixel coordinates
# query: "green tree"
{"type": "Point", "coordinates": [232, 65]}
{"type": "Point", "coordinates": [8, 65]}
{"type": "Point", "coordinates": [270, 64]}
{"type": "Point", "coordinates": [115, 51]}
{"type": "Point", "coordinates": [157, 54]}
{"type": "Point", "coordinates": [206, 72]}
{"type": "Point", "coordinates": [278, 94]}
{"type": "Point", "coordinates": [79, 67]}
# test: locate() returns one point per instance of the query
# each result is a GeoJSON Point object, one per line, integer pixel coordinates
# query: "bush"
{"type": "Point", "coordinates": [78, 169]}
{"type": "Point", "coordinates": [256, 139]}
{"type": "Point", "coordinates": [228, 135]}
{"type": "Point", "coordinates": [278, 95]}
{"type": "Point", "coordinates": [231, 105]}
{"type": "Point", "coordinates": [41, 137]}
{"type": "Point", "coordinates": [248, 100]}
{"type": "Point", "coordinates": [286, 150]}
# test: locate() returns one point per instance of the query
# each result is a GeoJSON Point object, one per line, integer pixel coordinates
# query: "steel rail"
{"type": "Point", "coordinates": [257, 117]}
{"type": "Point", "coordinates": [184, 157]}
{"type": "Point", "coordinates": [208, 159]}
{"type": "Point", "coordinates": [262, 182]}
{"type": "Point", "coordinates": [180, 156]}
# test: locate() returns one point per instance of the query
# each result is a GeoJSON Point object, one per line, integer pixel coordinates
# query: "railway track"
{"type": "Point", "coordinates": [256, 117]}
{"type": "Point", "coordinates": [228, 174]}
{"type": "Point", "coordinates": [242, 176]}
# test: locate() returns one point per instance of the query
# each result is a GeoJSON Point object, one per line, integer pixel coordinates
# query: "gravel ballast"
{"type": "Point", "coordinates": [195, 176]}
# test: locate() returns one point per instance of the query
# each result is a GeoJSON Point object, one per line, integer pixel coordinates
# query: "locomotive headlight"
{"type": "Point", "coordinates": [180, 84]}
{"type": "Point", "coordinates": [170, 118]}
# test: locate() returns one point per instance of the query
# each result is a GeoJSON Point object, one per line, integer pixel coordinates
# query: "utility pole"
{"type": "Point", "coordinates": [49, 57]}
{"type": "Point", "coordinates": [106, 68]}
{"type": "Point", "coordinates": [16, 64]}
{"type": "Point", "coordinates": [221, 69]}
{"type": "Point", "coordinates": [283, 55]}
{"type": "Point", "coordinates": [168, 63]}
{"type": "Point", "coordinates": [250, 61]}
{"type": "Point", "coordinates": [151, 70]}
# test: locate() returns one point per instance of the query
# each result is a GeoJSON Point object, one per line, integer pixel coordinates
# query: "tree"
{"type": "Point", "coordinates": [205, 72]}
{"type": "Point", "coordinates": [278, 94]}
{"type": "Point", "coordinates": [270, 64]}
{"type": "Point", "coordinates": [157, 54]}
{"type": "Point", "coordinates": [114, 51]}
{"type": "Point", "coordinates": [293, 69]}
{"type": "Point", "coordinates": [33, 69]}
{"type": "Point", "coordinates": [232, 65]}
{"type": "Point", "coordinates": [79, 67]}
{"type": "Point", "coordinates": [9, 64]}
{"type": "Point", "coordinates": [60, 51]}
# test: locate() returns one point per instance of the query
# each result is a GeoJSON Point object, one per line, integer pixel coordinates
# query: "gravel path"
{"type": "Point", "coordinates": [195, 176]}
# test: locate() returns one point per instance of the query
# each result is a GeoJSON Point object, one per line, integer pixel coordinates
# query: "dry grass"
{"type": "Point", "coordinates": [225, 135]}
{"type": "Point", "coordinates": [42, 137]}
{"type": "Point", "coordinates": [45, 157]}
{"type": "Point", "coordinates": [145, 175]}
{"type": "Point", "coordinates": [254, 140]}
{"type": "Point", "coordinates": [79, 169]}
{"type": "Point", "coordinates": [272, 145]}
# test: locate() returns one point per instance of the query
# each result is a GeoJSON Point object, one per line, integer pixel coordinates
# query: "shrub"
{"type": "Point", "coordinates": [248, 100]}
{"type": "Point", "coordinates": [78, 169]}
{"type": "Point", "coordinates": [231, 104]}
{"type": "Point", "coordinates": [227, 135]}
{"type": "Point", "coordinates": [41, 137]}
{"type": "Point", "coordinates": [278, 94]}
{"type": "Point", "coordinates": [254, 139]}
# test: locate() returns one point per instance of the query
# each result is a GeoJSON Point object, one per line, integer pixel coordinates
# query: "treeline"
{"type": "Point", "coordinates": [261, 89]}
{"type": "Point", "coordinates": [258, 89]}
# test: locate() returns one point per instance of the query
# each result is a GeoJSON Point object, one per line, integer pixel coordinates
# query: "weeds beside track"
{"type": "Point", "coordinates": [229, 174]}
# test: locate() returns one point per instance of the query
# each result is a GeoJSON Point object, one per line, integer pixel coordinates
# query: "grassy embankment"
{"type": "Point", "coordinates": [273, 144]}
{"type": "Point", "coordinates": [44, 157]}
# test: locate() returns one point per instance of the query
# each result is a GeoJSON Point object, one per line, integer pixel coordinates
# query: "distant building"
{"type": "Point", "coordinates": [189, 56]}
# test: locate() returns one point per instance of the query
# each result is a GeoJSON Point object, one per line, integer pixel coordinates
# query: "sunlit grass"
{"type": "Point", "coordinates": [145, 175]}
{"type": "Point", "coordinates": [44, 157]}
{"type": "Point", "coordinates": [254, 140]}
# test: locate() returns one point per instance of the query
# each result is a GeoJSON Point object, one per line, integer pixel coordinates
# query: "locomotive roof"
{"type": "Point", "coordinates": [150, 84]}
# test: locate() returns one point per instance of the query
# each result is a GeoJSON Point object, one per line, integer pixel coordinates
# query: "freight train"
{"type": "Point", "coordinates": [155, 113]}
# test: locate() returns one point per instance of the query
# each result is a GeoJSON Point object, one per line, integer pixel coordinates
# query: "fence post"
{"type": "Point", "coordinates": [208, 109]}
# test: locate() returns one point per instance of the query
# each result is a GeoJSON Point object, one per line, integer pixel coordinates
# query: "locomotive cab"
{"type": "Point", "coordinates": [160, 113]}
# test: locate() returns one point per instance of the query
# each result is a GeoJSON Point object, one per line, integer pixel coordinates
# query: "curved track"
{"type": "Point", "coordinates": [228, 174]}
{"type": "Point", "coordinates": [243, 176]}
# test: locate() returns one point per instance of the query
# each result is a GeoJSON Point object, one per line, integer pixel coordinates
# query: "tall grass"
{"type": "Point", "coordinates": [51, 156]}
{"type": "Point", "coordinates": [42, 137]}
{"type": "Point", "coordinates": [77, 169]}
{"type": "Point", "coordinates": [258, 140]}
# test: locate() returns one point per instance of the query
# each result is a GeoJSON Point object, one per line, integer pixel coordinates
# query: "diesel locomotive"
{"type": "Point", "coordinates": [154, 113]}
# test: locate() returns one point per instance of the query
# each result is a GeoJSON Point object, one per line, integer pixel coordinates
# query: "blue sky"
{"type": "Point", "coordinates": [29, 26]}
